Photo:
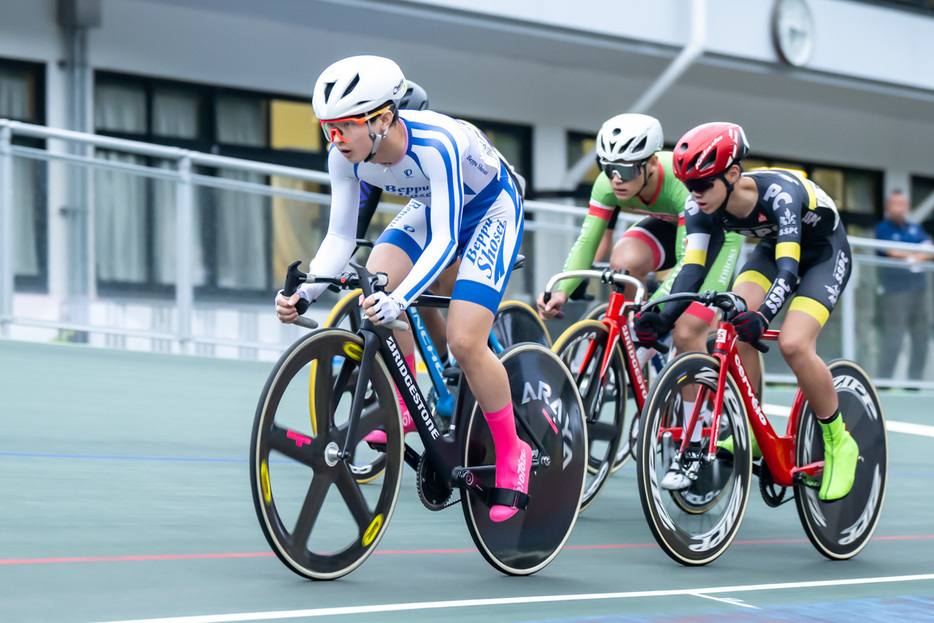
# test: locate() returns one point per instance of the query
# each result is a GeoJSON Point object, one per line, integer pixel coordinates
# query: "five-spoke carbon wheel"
{"type": "Point", "coordinates": [317, 517]}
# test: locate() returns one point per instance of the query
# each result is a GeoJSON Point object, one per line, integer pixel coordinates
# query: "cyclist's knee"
{"type": "Point", "coordinates": [796, 348]}
{"type": "Point", "coordinates": [690, 333]}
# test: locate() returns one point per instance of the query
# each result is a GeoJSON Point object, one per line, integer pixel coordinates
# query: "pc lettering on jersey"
{"type": "Point", "coordinates": [810, 218]}
{"type": "Point", "coordinates": [780, 196]}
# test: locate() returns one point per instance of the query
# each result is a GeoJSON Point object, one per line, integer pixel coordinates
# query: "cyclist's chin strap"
{"type": "Point", "coordinates": [376, 138]}
{"type": "Point", "coordinates": [729, 191]}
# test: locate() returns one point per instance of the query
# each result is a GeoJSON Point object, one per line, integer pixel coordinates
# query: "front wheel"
{"type": "Point", "coordinates": [842, 528]}
{"type": "Point", "coordinates": [550, 419]}
{"type": "Point", "coordinates": [515, 323]}
{"type": "Point", "coordinates": [315, 515]}
{"type": "Point", "coordinates": [696, 524]}
{"type": "Point", "coordinates": [582, 348]}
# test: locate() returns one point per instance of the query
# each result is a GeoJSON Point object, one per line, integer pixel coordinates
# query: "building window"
{"type": "Point", "coordinates": [22, 98]}
{"type": "Point", "coordinates": [235, 231]}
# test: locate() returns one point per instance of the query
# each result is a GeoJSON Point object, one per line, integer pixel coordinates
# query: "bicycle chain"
{"type": "Point", "coordinates": [427, 482]}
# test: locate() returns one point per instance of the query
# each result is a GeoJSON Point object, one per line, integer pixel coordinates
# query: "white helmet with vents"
{"type": "Point", "coordinates": [630, 136]}
{"type": "Point", "coordinates": [357, 85]}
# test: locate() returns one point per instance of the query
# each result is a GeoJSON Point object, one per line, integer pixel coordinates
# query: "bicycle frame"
{"type": "Point", "coordinates": [442, 449]}
{"type": "Point", "coordinates": [615, 319]}
{"type": "Point", "coordinates": [778, 452]}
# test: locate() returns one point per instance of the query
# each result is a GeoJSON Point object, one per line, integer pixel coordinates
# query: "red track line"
{"type": "Point", "coordinates": [39, 561]}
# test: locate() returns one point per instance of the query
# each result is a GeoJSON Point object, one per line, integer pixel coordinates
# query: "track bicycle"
{"type": "Point", "coordinates": [696, 525]}
{"type": "Point", "coordinates": [514, 323]}
{"type": "Point", "coordinates": [333, 387]}
{"type": "Point", "coordinates": [602, 357]}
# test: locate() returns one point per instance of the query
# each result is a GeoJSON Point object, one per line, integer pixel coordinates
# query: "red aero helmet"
{"type": "Point", "coordinates": [709, 150]}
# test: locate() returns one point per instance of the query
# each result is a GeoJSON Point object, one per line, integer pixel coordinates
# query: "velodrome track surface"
{"type": "Point", "coordinates": [126, 498]}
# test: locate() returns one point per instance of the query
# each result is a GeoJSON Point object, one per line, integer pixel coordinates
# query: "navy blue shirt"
{"type": "Point", "coordinates": [901, 279]}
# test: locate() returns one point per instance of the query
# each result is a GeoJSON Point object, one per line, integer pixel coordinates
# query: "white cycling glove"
{"type": "Point", "coordinates": [387, 307]}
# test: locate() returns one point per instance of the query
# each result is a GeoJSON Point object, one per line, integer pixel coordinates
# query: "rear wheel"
{"type": "Point", "coordinates": [315, 515]}
{"type": "Point", "coordinates": [842, 528]}
{"type": "Point", "coordinates": [582, 349]}
{"type": "Point", "coordinates": [550, 419]}
{"type": "Point", "coordinates": [694, 525]}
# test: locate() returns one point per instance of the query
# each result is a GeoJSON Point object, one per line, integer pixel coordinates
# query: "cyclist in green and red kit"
{"type": "Point", "coordinates": [636, 177]}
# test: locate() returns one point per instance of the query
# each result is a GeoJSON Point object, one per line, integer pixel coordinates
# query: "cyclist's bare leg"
{"type": "Point", "coordinates": [469, 326]}
{"type": "Point", "coordinates": [432, 317]}
{"type": "Point", "coordinates": [798, 343]}
{"type": "Point", "coordinates": [635, 256]}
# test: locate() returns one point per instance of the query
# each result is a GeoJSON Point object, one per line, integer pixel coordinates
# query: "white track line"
{"type": "Point", "coordinates": [922, 430]}
{"type": "Point", "coordinates": [505, 601]}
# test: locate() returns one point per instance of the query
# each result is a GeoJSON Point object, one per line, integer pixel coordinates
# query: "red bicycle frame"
{"type": "Point", "coordinates": [778, 452]}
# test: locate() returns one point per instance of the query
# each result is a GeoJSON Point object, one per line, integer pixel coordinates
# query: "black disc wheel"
{"type": "Point", "coordinates": [550, 419]}
{"type": "Point", "coordinates": [841, 529]}
{"type": "Point", "coordinates": [515, 323]}
{"type": "Point", "coordinates": [318, 519]}
{"type": "Point", "coordinates": [696, 524]}
{"type": "Point", "coordinates": [583, 349]}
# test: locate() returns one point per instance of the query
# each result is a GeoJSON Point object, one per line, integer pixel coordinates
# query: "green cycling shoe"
{"type": "Point", "coordinates": [840, 456]}
{"type": "Point", "coordinates": [727, 444]}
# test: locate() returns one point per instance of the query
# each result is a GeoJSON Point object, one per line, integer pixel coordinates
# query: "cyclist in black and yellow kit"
{"type": "Point", "coordinates": [803, 256]}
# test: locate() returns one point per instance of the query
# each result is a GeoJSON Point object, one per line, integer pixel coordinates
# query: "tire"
{"type": "Point", "coordinates": [540, 386]}
{"type": "Point", "coordinates": [516, 322]}
{"type": "Point", "coordinates": [597, 312]}
{"type": "Point", "coordinates": [842, 528]}
{"type": "Point", "coordinates": [696, 525]}
{"type": "Point", "coordinates": [314, 514]}
{"type": "Point", "coordinates": [346, 313]}
{"type": "Point", "coordinates": [582, 349]}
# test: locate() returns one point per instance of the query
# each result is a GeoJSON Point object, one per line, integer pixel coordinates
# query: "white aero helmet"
{"type": "Point", "coordinates": [357, 85]}
{"type": "Point", "coordinates": [629, 136]}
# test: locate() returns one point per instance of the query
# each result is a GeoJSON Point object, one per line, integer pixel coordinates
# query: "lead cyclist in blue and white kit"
{"type": "Point", "coordinates": [464, 203]}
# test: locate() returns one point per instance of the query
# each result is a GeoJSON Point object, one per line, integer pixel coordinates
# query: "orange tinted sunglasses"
{"type": "Point", "coordinates": [334, 128]}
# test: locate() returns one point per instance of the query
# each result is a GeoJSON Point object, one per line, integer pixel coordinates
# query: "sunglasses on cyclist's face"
{"type": "Point", "coordinates": [624, 171]}
{"type": "Point", "coordinates": [699, 187]}
{"type": "Point", "coordinates": [334, 129]}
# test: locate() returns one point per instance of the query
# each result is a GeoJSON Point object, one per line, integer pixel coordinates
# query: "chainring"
{"type": "Point", "coordinates": [434, 493]}
{"type": "Point", "coordinates": [773, 494]}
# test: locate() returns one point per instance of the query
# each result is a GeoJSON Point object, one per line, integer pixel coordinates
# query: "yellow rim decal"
{"type": "Point", "coordinates": [311, 396]}
{"type": "Point", "coordinates": [264, 482]}
{"type": "Point", "coordinates": [373, 530]}
{"type": "Point", "coordinates": [354, 351]}
{"type": "Point", "coordinates": [810, 307]}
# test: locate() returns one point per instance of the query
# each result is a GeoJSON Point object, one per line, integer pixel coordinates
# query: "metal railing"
{"type": "Point", "coordinates": [184, 322]}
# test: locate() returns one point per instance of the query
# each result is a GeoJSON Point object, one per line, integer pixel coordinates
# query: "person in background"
{"type": "Point", "coordinates": [907, 300]}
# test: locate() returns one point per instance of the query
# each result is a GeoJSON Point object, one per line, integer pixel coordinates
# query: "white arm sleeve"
{"type": "Point", "coordinates": [339, 243]}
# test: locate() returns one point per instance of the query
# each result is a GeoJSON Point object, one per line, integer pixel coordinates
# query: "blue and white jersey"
{"type": "Point", "coordinates": [449, 167]}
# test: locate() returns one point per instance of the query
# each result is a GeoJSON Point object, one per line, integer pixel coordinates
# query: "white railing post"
{"type": "Point", "coordinates": [184, 286]}
{"type": "Point", "coordinates": [7, 267]}
{"type": "Point", "coordinates": [848, 328]}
